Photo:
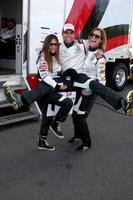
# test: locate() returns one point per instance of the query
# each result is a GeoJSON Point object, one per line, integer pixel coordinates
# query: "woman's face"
{"type": "Point", "coordinates": [53, 46]}
{"type": "Point", "coordinates": [95, 39]}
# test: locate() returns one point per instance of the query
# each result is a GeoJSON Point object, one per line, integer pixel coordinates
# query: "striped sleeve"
{"type": "Point", "coordinates": [44, 73]}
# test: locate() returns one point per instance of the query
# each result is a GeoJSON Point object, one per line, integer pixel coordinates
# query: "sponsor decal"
{"type": "Point", "coordinates": [102, 72]}
{"type": "Point", "coordinates": [43, 67]}
{"type": "Point", "coordinates": [102, 65]}
{"type": "Point", "coordinates": [68, 94]}
{"type": "Point", "coordinates": [79, 14]}
{"type": "Point", "coordinates": [102, 78]}
{"type": "Point", "coordinates": [87, 14]}
{"type": "Point", "coordinates": [43, 75]}
{"type": "Point", "coordinates": [116, 42]}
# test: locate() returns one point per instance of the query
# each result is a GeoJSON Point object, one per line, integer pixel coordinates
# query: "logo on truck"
{"type": "Point", "coordinates": [87, 14]}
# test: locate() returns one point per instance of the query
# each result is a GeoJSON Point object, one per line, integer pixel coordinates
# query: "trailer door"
{"type": "Point", "coordinates": [45, 17]}
{"type": "Point", "coordinates": [131, 34]}
{"type": "Point", "coordinates": [24, 32]}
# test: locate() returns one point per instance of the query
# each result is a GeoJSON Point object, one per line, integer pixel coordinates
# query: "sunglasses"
{"type": "Point", "coordinates": [53, 44]}
{"type": "Point", "coordinates": [95, 35]}
{"type": "Point", "coordinates": [69, 32]}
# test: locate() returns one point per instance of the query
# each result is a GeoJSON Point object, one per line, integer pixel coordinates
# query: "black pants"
{"type": "Point", "coordinates": [7, 49]}
{"type": "Point", "coordinates": [110, 96]}
{"type": "Point", "coordinates": [106, 93]}
{"type": "Point", "coordinates": [3, 49]}
{"type": "Point", "coordinates": [81, 129]}
{"type": "Point", "coordinates": [40, 92]}
{"type": "Point", "coordinates": [65, 105]}
{"type": "Point", "coordinates": [48, 95]}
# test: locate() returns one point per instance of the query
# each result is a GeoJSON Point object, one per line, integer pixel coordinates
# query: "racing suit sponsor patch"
{"type": "Point", "coordinates": [102, 64]}
{"type": "Point", "coordinates": [43, 75]}
{"type": "Point", "coordinates": [43, 67]}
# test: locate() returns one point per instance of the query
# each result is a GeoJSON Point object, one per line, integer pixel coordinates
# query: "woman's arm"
{"type": "Point", "coordinates": [45, 75]}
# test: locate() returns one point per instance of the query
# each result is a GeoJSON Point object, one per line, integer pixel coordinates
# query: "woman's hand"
{"type": "Point", "coordinates": [98, 53]}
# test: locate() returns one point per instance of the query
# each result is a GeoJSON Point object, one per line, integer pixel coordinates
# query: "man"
{"type": "Point", "coordinates": [72, 55]}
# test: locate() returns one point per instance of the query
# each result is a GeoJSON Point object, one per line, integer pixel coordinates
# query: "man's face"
{"type": "Point", "coordinates": [68, 36]}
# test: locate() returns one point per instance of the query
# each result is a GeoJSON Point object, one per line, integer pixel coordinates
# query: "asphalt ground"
{"type": "Point", "coordinates": [105, 172]}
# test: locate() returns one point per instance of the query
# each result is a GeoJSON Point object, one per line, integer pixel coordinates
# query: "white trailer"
{"type": "Point", "coordinates": [36, 19]}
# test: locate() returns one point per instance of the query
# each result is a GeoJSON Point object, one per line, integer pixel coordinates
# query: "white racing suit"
{"type": "Point", "coordinates": [91, 75]}
{"type": "Point", "coordinates": [74, 57]}
{"type": "Point", "coordinates": [46, 84]}
{"type": "Point", "coordinates": [46, 91]}
{"type": "Point", "coordinates": [95, 70]}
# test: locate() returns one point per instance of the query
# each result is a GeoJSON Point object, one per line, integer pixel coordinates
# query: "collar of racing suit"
{"type": "Point", "coordinates": [69, 45]}
{"type": "Point", "coordinates": [92, 49]}
{"type": "Point", "coordinates": [52, 54]}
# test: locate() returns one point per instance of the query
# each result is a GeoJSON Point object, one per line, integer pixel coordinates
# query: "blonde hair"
{"type": "Point", "coordinates": [102, 45]}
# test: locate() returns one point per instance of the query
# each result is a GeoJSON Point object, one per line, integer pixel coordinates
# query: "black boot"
{"type": "Point", "coordinates": [43, 144]}
{"type": "Point", "coordinates": [84, 146]}
{"type": "Point", "coordinates": [73, 139]}
{"type": "Point", "coordinates": [55, 128]}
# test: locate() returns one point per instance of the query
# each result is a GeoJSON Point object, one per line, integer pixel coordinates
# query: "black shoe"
{"type": "Point", "coordinates": [43, 144]}
{"type": "Point", "coordinates": [83, 147]}
{"type": "Point", "coordinates": [73, 139]}
{"type": "Point", "coordinates": [55, 128]}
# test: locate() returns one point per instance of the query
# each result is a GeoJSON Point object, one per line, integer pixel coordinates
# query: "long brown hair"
{"type": "Point", "coordinates": [45, 50]}
{"type": "Point", "coordinates": [102, 45]}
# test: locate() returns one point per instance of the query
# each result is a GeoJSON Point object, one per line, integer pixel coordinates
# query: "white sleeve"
{"type": "Point", "coordinates": [86, 44]}
{"type": "Point", "coordinates": [44, 73]}
{"type": "Point", "coordinates": [9, 34]}
{"type": "Point", "coordinates": [101, 65]}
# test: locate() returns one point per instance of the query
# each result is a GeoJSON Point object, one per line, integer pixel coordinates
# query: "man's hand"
{"type": "Point", "coordinates": [63, 87]}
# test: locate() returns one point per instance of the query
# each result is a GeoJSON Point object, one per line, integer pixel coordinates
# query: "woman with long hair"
{"type": "Point", "coordinates": [48, 67]}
